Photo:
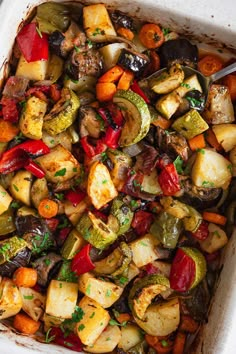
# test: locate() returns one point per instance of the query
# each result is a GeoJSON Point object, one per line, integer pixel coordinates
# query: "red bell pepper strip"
{"type": "Point", "coordinates": [202, 232]}
{"type": "Point", "coordinates": [112, 137]}
{"type": "Point", "coordinates": [34, 168]}
{"type": "Point", "coordinates": [75, 197]}
{"type": "Point", "coordinates": [10, 111]}
{"type": "Point", "coordinates": [182, 273]}
{"type": "Point", "coordinates": [16, 157]}
{"type": "Point", "coordinates": [142, 222]}
{"type": "Point", "coordinates": [33, 44]}
{"type": "Point", "coordinates": [136, 88]}
{"type": "Point", "coordinates": [151, 269]}
{"type": "Point", "coordinates": [70, 341]}
{"type": "Point", "coordinates": [91, 150]}
{"type": "Point", "coordinates": [52, 224]}
{"type": "Point", "coordinates": [82, 263]}
{"type": "Point", "coordinates": [169, 180]}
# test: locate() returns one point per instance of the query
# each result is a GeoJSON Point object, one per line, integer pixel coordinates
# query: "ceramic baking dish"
{"type": "Point", "coordinates": [209, 22]}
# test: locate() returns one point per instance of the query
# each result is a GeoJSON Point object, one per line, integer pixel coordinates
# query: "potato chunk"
{"type": "Point", "coordinates": [10, 300]}
{"type": "Point", "coordinates": [5, 200]}
{"type": "Point", "coordinates": [20, 186]}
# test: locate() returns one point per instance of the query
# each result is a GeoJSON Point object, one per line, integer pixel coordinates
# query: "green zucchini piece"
{"type": "Point", "coordinates": [200, 264]}
{"type": "Point", "coordinates": [7, 224]}
{"type": "Point", "coordinates": [168, 80]}
{"type": "Point", "coordinates": [167, 229]}
{"type": "Point", "coordinates": [137, 117]}
{"type": "Point", "coordinates": [190, 124]}
{"type": "Point", "coordinates": [63, 113]}
{"type": "Point", "coordinates": [95, 231]}
{"type": "Point", "coordinates": [72, 244]}
{"type": "Point", "coordinates": [193, 220]}
{"type": "Point", "coordinates": [124, 215]}
{"type": "Point", "coordinates": [55, 68]}
{"type": "Point", "coordinates": [143, 292]}
{"type": "Point", "coordinates": [127, 258]}
{"type": "Point", "coordinates": [10, 247]}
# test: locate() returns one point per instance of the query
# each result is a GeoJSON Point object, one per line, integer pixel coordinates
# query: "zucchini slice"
{"type": "Point", "coordinates": [143, 292]}
{"type": "Point", "coordinates": [95, 231]}
{"type": "Point", "coordinates": [123, 214]}
{"type": "Point", "coordinates": [190, 124]}
{"type": "Point", "coordinates": [137, 117]}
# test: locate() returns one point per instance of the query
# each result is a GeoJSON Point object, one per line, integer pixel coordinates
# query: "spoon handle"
{"type": "Point", "coordinates": [228, 70]}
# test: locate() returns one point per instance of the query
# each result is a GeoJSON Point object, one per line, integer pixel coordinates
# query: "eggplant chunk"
{"type": "Point", "coordinates": [173, 143]}
{"type": "Point", "coordinates": [179, 51]}
{"type": "Point", "coordinates": [89, 124]}
{"type": "Point", "coordinates": [59, 165]}
{"type": "Point", "coordinates": [63, 113]}
{"type": "Point", "coordinates": [21, 259]}
{"type": "Point", "coordinates": [46, 266]}
{"type": "Point", "coordinates": [133, 61]}
{"type": "Point", "coordinates": [219, 108]}
{"type": "Point", "coordinates": [122, 20]}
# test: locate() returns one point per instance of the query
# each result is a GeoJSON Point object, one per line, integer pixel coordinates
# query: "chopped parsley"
{"type": "Point", "coordinates": [98, 31]}
{"type": "Point", "coordinates": [76, 48]}
{"type": "Point", "coordinates": [207, 184]}
{"type": "Point", "coordinates": [104, 181]}
{"type": "Point", "coordinates": [202, 151]}
{"type": "Point", "coordinates": [92, 315]}
{"type": "Point", "coordinates": [48, 338]}
{"type": "Point", "coordinates": [59, 196]}
{"type": "Point", "coordinates": [61, 172]}
{"type": "Point", "coordinates": [179, 164]}
{"type": "Point", "coordinates": [15, 187]}
{"type": "Point", "coordinates": [123, 280]}
{"type": "Point", "coordinates": [108, 293]}
{"type": "Point", "coordinates": [165, 31]}
{"type": "Point", "coordinates": [81, 327]}
{"type": "Point", "coordinates": [116, 323]}
{"type": "Point", "coordinates": [183, 84]}
{"type": "Point", "coordinates": [164, 343]}
{"type": "Point", "coordinates": [88, 289]}
{"type": "Point", "coordinates": [47, 261]}
{"type": "Point", "coordinates": [104, 156]}
{"type": "Point", "coordinates": [28, 297]}
{"type": "Point", "coordinates": [230, 168]}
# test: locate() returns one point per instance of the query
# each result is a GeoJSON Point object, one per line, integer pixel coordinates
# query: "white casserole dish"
{"type": "Point", "coordinates": [211, 22]}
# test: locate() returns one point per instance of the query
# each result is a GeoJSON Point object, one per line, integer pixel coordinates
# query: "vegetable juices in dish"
{"type": "Point", "coordinates": [112, 187]}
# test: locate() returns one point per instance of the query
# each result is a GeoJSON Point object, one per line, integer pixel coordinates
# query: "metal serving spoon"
{"type": "Point", "coordinates": [205, 81]}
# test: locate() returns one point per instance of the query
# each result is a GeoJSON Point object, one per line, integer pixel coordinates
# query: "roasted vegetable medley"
{"type": "Point", "coordinates": [117, 185]}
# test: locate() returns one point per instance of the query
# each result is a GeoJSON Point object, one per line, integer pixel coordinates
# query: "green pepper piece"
{"type": "Point", "coordinates": [7, 224]}
{"type": "Point", "coordinates": [52, 16]}
{"type": "Point", "coordinates": [167, 229]}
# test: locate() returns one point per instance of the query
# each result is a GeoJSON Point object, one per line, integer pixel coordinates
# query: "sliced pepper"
{"type": "Point", "coordinates": [70, 341]}
{"type": "Point", "coordinates": [137, 89]}
{"type": "Point", "coordinates": [75, 196]}
{"type": "Point", "coordinates": [34, 168]}
{"type": "Point", "coordinates": [202, 231]}
{"type": "Point", "coordinates": [142, 221]}
{"type": "Point", "coordinates": [188, 269]}
{"type": "Point", "coordinates": [169, 180]}
{"type": "Point", "coordinates": [92, 150]}
{"type": "Point", "coordinates": [10, 111]}
{"type": "Point", "coordinates": [82, 262]}
{"type": "Point", "coordinates": [32, 43]}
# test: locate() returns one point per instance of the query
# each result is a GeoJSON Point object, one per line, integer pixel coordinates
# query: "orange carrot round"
{"type": "Point", "coordinates": [210, 64]}
{"type": "Point", "coordinates": [25, 324]}
{"type": "Point", "coordinates": [26, 277]}
{"type": "Point", "coordinates": [151, 36]}
{"type": "Point", "coordinates": [230, 82]}
{"type": "Point", "coordinates": [214, 218]}
{"type": "Point", "coordinates": [7, 131]}
{"type": "Point", "coordinates": [48, 208]}
{"type": "Point", "coordinates": [126, 33]}
{"type": "Point", "coordinates": [197, 142]}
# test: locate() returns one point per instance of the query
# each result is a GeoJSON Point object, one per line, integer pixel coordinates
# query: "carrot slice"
{"type": "Point", "coordinates": [230, 82]}
{"type": "Point", "coordinates": [188, 324]}
{"type": "Point", "coordinates": [7, 131]}
{"type": "Point", "coordinates": [151, 36]}
{"type": "Point", "coordinates": [126, 33]}
{"type": "Point", "coordinates": [210, 64]}
{"type": "Point", "coordinates": [26, 277]}
{"type": "Point", "coordinates": [214, 217]}
{"type": "Point", "coordinates": [211, 139]}
{"type": "Point", "coordinates": [161, 344]}
{"type": "Point", "coordinates": [123, 317]}
{"type": "Point", "coordinates": [105, 91]}
{"type": "Point", "coordinates": [112, 75]}
{"type": "Point", "coordinates": [179, 343]}
{"type": "Point", "coordinates": [48, 208]}
{"type": "Point", "coordinates": [198, 142]}
{"type": "Point", "coordinates": [161, 122]}
{"type": "Point", "coordinates": [125, 80]}
{"type": "Point", "coordinates": [25, 324]}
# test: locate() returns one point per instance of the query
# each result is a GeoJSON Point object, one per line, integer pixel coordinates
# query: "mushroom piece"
{"type": "Point", "coordinates": [47, 266]}
{"type": "Point", "coordinates": [89, 124]}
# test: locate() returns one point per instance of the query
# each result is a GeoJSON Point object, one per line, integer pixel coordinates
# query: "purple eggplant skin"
{"type": "Point", "coordinates": [55, 41]}
{"type": "Point", "coordinates": [47, 266]}
{"type": "Point", "coordinates": [36, 232]}
{"type": "Point", "coordinates": [133, 61]}
{"type": "Point", "coordinates": [22, 259]}
{"type": "Point", "coordinates": [180, 51]}
{"type": "Point", "coordinates": [122, 20]}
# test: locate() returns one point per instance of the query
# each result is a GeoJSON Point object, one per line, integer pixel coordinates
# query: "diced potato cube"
{"type": "Point", "coordinates": [59, 165]}
{"type": "Point", "coordinates": [20, 186]}
{"type": "Point", "coordinates": [33, 303]}
{"type": "Point", "coordinates": [130, 336]}
{"type": "Point", "coordinates": [97, 22]}
{"type": "Point", "coordinates": [106, 342]}
{"type": "Point", "coordinates": [94, 321]}
{"type": "Point", "coordinates": [5, 200]}
{"type": "Point", "coordinates": [10, 300]}
{"type": "Point", "coordinates": [61, 298]}
{"type": "Point", "coordinates": [215, 240]}
{"type": "Point", "coordinates": [143, 250]}
{"type": "Point", "coordinates": [35, 70]}
{"type": "Point", "coordinates": [211, 169]}
{"type": "Point", "coordinates": [110, 53]}
{"type": "Point", "coordinates": [225, 135]}
{"type": "Point", "coordinates": [104, 292]}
